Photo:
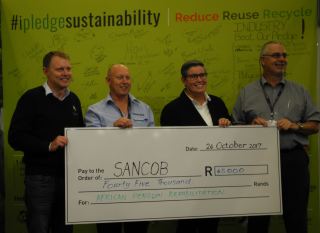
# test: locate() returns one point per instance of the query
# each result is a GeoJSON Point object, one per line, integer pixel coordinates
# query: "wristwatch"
{"type": "Point", "coordinates": [300, 125]}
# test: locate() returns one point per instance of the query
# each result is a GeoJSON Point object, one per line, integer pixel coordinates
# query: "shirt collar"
{"type": "Point", "coordinates": [131, 99]}
{"type": "Point", "coordinates": [208, 99]}
{"type": "Point", "coordinates": [49, 91]}
{"type": "Point", "coordinates": [264, 81]}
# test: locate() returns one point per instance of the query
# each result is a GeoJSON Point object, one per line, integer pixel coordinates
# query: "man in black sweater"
{"type": "Point", "coordinates": [37, 129]}
{"type": "Point", "coordinates": [194, 107]}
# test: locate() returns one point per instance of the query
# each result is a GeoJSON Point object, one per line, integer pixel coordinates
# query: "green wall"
{"type": "Point", "coordinates": [153, 38]}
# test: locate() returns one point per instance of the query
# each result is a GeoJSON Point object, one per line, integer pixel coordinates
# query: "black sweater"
{"type": "Point", "coordinates": [182, 112]}
{"type": "Point", "coordinates": [38, 119]}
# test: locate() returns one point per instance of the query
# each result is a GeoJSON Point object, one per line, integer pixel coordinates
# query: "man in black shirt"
{"type": "Point", "coordinates": [37, 129]}
{"type": "Point", "coordinates": [194, 107]}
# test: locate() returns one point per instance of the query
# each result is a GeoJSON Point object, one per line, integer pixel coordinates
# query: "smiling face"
{"type": "Point", "coordinates": [58, 73]}
{"type": "Point", "coordinates": [196, 81]}
{"type": "Point", "coordinates": [274, 61]}
{"type": "Point", "coordinates": [119, 81]}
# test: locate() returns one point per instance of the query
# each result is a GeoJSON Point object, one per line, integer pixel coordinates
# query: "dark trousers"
{"type": "Point", "coordinates": [203, 225]}
{"type": "Point", "coordinates": [45, 202]}
{"type": "Point", "coordinates": [295, 194]}
{"type": "Point", "coordinates": [140, 227]}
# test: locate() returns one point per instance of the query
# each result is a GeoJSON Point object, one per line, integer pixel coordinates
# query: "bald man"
{"type": "Point", "coordinates": [123, 110]}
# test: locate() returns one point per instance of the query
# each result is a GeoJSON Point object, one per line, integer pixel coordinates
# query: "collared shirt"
{"type": "Point", "coordinates": [49, 91]}
{"type": "Point", "coordinates": [105, 113]}
{"type": "Point", "coordinates": [203, 109]}
{"type": "Point", "coordinates": [294, 103]}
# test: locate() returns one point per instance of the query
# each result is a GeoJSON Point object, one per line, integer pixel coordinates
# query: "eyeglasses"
{"type": "Point", "coordinates": [276, 55]}
{"type": "Point", "coordinates": [194, 76]}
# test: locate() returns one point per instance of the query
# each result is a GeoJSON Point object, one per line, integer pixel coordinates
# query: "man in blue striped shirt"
{"type": "Point", "coordinates": [120, 109]}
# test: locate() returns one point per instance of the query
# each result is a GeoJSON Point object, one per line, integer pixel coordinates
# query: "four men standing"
{"type": "Point", "coordinates": [42, 114]}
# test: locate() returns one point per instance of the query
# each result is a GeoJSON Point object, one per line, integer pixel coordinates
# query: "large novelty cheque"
{"type": "Point", "coordinates": [163, 173]}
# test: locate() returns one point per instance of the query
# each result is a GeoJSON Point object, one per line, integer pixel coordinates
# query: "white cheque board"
{"type": "Point", "coordinates": [171, 173]}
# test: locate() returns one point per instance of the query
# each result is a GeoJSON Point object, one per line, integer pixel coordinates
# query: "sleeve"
{"type": "Point", "coordinates": [81, 120]}
{"type": "Point", "coordinates": [238, 116]}
{"type": "Point", "coordinates": [150, 117]}
{"type": "Point", "coordinates": [166, 117]}
{"type": "Point", "coordinates": [224, 110]}
{"type": "Point", "coordinates": [92, 118]}
{"type": "Point", "coordinates": [311, 113]}
{"type": "Point", "coordinates": [21, 133]}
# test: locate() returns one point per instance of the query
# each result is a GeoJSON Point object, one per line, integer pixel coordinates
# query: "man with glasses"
{"type": "Point", "coordinates": [194, 107]}
{"type": "Point", "coordinates": [120, 109]}
{"type": "Point", "coordinates": [274, 101]}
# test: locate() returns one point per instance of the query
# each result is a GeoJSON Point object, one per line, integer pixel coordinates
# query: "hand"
{"type": "Point", "coordinates": [59, 141]}
{"type": "Point", "coordinates": [224, 122]}
{"type": "Point", "coordinates": [259, 121]}
{"type": "Point", "coordinates": [123, 123]}
{"type": "Point", "coordinates": [285, 124]}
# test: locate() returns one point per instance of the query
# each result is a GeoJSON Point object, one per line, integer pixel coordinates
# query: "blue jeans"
{"type": "Point", "coordinates": [44, 196]}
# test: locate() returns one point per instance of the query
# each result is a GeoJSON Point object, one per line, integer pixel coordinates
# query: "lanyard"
{"type": "Point", "coordinates": [271, 106]}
